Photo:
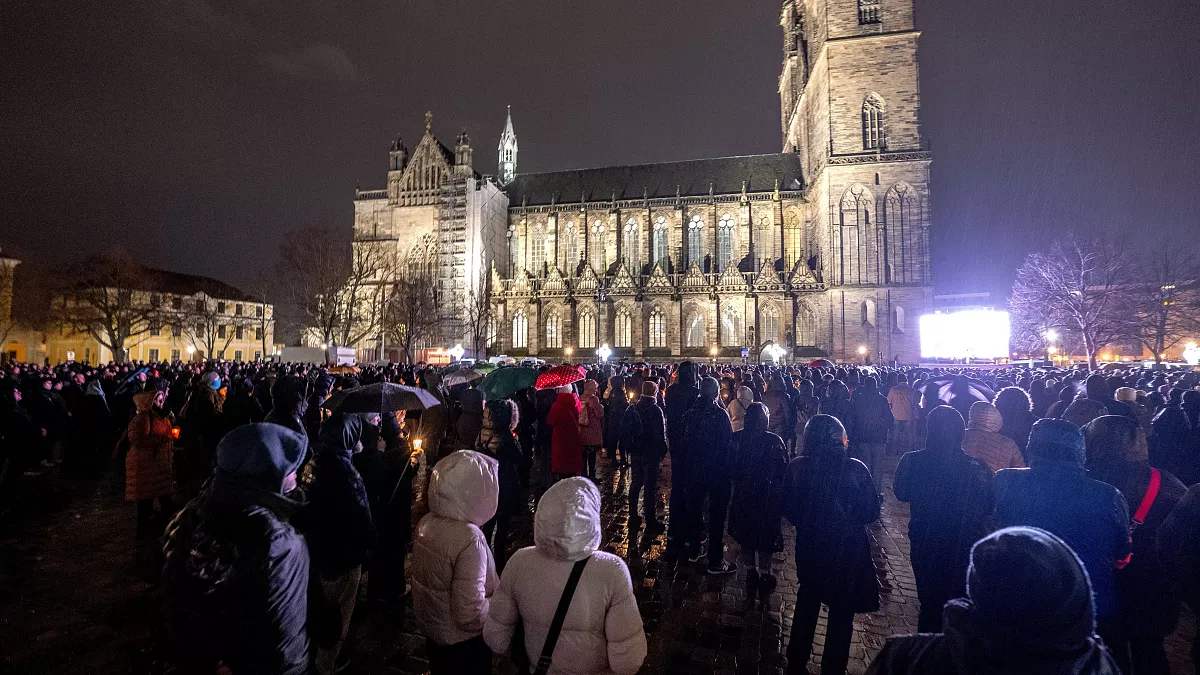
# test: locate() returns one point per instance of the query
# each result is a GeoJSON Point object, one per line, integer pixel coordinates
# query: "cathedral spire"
{"type": "Point", "coordinates": [507, 152]}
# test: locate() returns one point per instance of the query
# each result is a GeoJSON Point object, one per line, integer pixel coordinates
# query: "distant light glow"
{"type": "Point", "coordinates": [1191, 354]}
{"type": "Point", "coordinates": [976, 333]}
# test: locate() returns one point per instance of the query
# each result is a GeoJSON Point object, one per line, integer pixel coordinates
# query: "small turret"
{"type": "Point", "coordinates": [462, 151]}
{"type": "Point", "coordinates": [507, 152]}
{"type": "Point", "coordinates": [398, 155]}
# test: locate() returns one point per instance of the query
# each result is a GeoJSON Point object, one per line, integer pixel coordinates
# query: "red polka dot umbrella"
{"type": "Point", "coordinates": [560, 376]}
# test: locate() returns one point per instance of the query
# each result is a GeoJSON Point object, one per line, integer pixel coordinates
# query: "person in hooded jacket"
{"type": "Point", "coordinates": [591, 426]}
{"type": "Point", "coordinates": [453, 573]}
{"type": "Point", "coordinates": [984, 441]}
{"type": "Point", "coordinates": [1171, 435]}
{"type": "Point", "coordinates": [236, 578]}
{"type": "Point", "coordinates": [677, 401]}
{"type": "Point", "coordinates": [830, 499]}
{"type": "Point", "coordinates": [288, 403]}
{"type": "Point", "coordinates": [337, 522]}
{"type": "Point", "coordinates": [497, 440]}
{"type": "Point", "coordinates": [869, 424]}
{"type": "Point", "coordinates": [240, 406]}
{"type": "Point", "coordinates": [779, 407]}
{"type": "Point", "coordinates": [643, 443]}
{"type": "Point", "coordinates": [434, 420]}
{"type": "Point", "coordinates": [1055, 494]}
{"type": "Point", "coordinates": [837, 401]}
{"type": "Point", "coordinates": [950, 494]}
{"type": "Point", "coordinates": [566, 447]}
{"type": "Point", "coordinates": [1028, 610]}
{"type": "Point", "coordinates": [470, 421]}
{"type": "Point", "coordinates": [602, 633]}
{"type": "Point", "coordinates": [1117, 455]}
{"type": "Point", "coordinates": [1179, 551]}
{"type": "Point", "coordinates": [759, 467]}
{"type": "Point", "coordinates": [149, 466]}
{"type": "Point", "coordinates": [738, 406]}
{"type": "Point", "coordinates": [707, 441]}
{"type": "Point", "coordinates": [1016, 413]}
{"type": "Point", "coordinates": [616, 402]}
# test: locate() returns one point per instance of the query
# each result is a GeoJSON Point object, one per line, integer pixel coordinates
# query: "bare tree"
{"type": "Point", "coordinates": [8, 322]}
{"type": "Point", "coordinates": [264, 290]}
{"type": "Point", "coordinates": [478, 314]}
{"type": "Point", "coordinates": [1081, 288]}
{"type": "Point", "coordinates": [1168, 299]}
{"type": "Point", "coordinates": [314, 263]}
{"type": "Point", "coordinates": [412, 313]}
{"type": "Point", "coordinates": [108, 298]}
{"type": "Point", "coordinates": [359, 301]}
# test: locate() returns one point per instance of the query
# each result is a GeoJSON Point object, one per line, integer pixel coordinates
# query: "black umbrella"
{"type": "Point", "coordinates": [382, 398]}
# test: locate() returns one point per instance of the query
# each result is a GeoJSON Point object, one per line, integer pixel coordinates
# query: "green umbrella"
{"type": "Point", "coordinates": [504, 382]}
{"type": "Point", "coordinates": [484, 367]}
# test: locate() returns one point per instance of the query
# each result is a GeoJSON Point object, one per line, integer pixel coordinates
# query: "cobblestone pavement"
{"type": "Point", "coordinates": [72, 599]}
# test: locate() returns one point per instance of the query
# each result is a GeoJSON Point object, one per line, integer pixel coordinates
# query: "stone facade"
{"type": "Point", "coordinates": [822, 249]}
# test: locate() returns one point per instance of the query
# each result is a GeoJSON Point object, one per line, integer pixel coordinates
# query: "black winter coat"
{"type": "Point", "coordinates": [235, 584]}
{"type": "Point", "coordinates": [831, 499]}
{"type": "Point", "coordinates": [951, 501]}
{"type": "Point", "coordinates": [707, 441]}
{"type": "Point", "coordinates": [1179, 546]}
{"type": "Point", "coordinates": [337, 518]}
{"type": "Point", "coordinates": [649, 443]}
{"type": "Point", "coordinates": [759, 470]}
{"type": "Point", "coordinates": [1149, 605]}
{"type": "Point", "coordinates": [870, 418]}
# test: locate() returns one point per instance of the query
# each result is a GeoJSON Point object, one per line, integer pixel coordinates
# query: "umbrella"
{"type": "Point", "coordinates": [484, 367]}
{"type": "Point", "coordinates": [946, 388]}
{"type": "Point", "coordinates": [560, 376]}
{"type": "Point", "coordinates": [504, 382]}
{"type": "Point", "coordinates": [462, 377]}
{"type": "Point", "coordinates": [821, 363]}
{"type": "Point", "coordinates": [381, 397]}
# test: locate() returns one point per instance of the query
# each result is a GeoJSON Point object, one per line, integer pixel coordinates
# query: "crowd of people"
{"type": "Point", "coordinates": [1052, 525]}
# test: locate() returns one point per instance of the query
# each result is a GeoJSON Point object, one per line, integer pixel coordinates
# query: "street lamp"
{"type": "Point", "coordinates": [604, 352]}
{"type": "Point", "coordinates": [457, 351]}
{"type": "Point", "coordinates": [324, 345]}
{"type": "Point", "coordinates": [190, 350]}
{"type": "Point", "coordinates": [712, 351]}
{"type": "Point", "coordinates": [568, 351]}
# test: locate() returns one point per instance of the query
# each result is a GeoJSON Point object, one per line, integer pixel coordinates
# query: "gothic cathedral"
{"type": "Point", "coordinates": [822, 249]}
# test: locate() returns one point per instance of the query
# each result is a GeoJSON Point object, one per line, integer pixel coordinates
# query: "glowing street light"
{"type": "Point", "coordinates": [862, 349]}
{"type": "Point", "coordinates": [568, 351]}
{"type": "Point", "coordinates": [1051, 335]}
{"type": "Point", "coordinates": [457, 351]}
{"type": "Point", "coordinates": [604, 352]}
{"type": "Point", "coordinates": [1052, 350]}
{"type": "Point", "coordinates": [324, 345]}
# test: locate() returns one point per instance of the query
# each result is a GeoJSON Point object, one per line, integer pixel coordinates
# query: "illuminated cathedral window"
{"type": "Point", "coordinates": [623, 335]}
{"type": "Point", "coordinates": [724, 242]}
{"type": "Point", "coordinates": [657, 329]}
{"type": "Point", "coordinates": [632, 258]}
{"type": "Point", "coordinates": [520, 330]}
{"type": "Point", "coordinates": [587, 329]}
{"type": "Point", "coordinates": [660, 240]}
{"type": "Point", "coordinates": [695, 241]}
{"type": "Point", "coordinates": [872, 123]}
{"type": "Point", "coordinates": [554, 329]}
{"type": "Point", "coordinates": [695, 331]}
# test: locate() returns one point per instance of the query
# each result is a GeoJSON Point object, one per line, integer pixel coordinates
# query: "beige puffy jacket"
{"type": "Point", "coordinates": [603, 631]}
{"type": "Point", "coordinates": [453, 573]}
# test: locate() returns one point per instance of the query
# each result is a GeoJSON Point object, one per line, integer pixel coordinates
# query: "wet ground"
{"type": "Point", "coordinates": [73, 600]}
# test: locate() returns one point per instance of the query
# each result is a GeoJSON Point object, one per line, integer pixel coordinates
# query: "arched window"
{"type": "Point", "coordinates": [551, 246]}
{"type": "Point", "coordinates": [599, 250]}
{"type": "Point", "coordinates": [695, 241]}
{"type": "Point", "coordinates": [724, 242]}
{"type": "Point", "coordinates": [623, 334]}
{"type": "Point", "coordinates": [493, 330]}
{"type": "Point", "coordinates": [806, 326]}
{"type": "Point", "coordinates": [513, 250]}
{"type": "Point", "coordinates": [694, 337]}
{"type": "Point", "coordinates": [731, 328]}
{"type": "Point", "coordinates": [632, 259]}
{"type": "Point", "coordinates": [897, 319]}
{"type": "Point", "coordinates": [903, 236]}
{"type": "Point", "coordinates": [769, 323]}
{"type": "Point", "coordinates": [572, 243]}
{"type": "Point", "coordinates": [867, 309]}
{"type": "Point", "coordinates": [587, 329]}
{"type": "Point", "coordinates": [765, 242]}
{"type": "Point", "coordinates": [520, 330]}
{"type": "Point", "coordinates": [554, 330]}
{"type": "Point", "coordinates": [793, 238]}
{"type": "Point", "coordinates": [874, 136]}
{"type": "Point", "coordinates": [660, 240]}
{"type": "Point", "coordinates": [856, 250]}
{"type": "Point", "coordinates": [538, 246]}
{"type": "Point", "coordinates": [868, 12]}
{"type": "Point", "coordinates": [657, 328]}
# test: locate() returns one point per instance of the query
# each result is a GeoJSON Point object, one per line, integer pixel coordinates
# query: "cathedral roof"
{"type": "Point", "coordinates": [687, 178]}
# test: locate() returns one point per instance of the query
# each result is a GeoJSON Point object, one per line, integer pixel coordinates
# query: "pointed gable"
{"type": "Point", "coordinates": [421, 182]}
{"type": "Point", "coordinates": [732, 280]}
{"type": "Point", "coordinates": [694, 281]}
{"type": "Point", "coordinates": [623, 283]}
{"type": "Point", "coordinates": [659, 283]}
{"type": "Point", "coordinates": [768, 279]}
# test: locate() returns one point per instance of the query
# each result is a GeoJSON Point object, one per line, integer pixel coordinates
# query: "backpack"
{"type": "Point", "coordinates": [631, 429]}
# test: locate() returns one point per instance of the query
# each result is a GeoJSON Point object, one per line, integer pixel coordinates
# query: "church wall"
{"type": "Point", "coordinates": [885, 65]}
{"type": "Point", "coordinates": [842, 17]}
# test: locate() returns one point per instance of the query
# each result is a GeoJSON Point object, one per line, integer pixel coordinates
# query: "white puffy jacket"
{"type": "Point", "coordinates": [603, 629]}
{"type": "Point", "coordinates": [453, 574]}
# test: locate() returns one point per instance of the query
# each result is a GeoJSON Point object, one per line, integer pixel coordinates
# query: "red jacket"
{"type": "Point", "coordinates": [566, 448]}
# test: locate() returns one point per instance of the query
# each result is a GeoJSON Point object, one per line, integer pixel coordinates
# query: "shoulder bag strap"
{"type": "Point", "coordinates": [560, 616]}
{"type": "Point", "coordinates": [1143, 510]}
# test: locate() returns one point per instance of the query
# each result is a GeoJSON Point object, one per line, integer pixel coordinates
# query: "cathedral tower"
{"type": "Point", "coordinates": [850, 108]}
{"type": "Point", "coordinates": [507, 152]}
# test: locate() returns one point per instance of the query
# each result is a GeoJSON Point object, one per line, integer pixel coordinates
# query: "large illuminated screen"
{"type": "Point", "coordinates": [976, 333]}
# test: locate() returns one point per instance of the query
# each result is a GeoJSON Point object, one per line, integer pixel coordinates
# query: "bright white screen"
{"type": "Point", "coordinates": [977, 333]}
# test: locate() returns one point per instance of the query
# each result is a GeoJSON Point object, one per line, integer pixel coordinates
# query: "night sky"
{"type": "Point", "coordinates": [197, 132]}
